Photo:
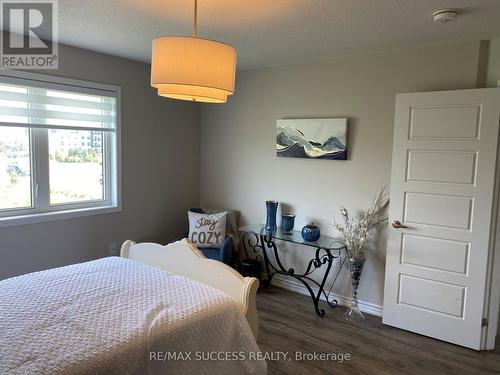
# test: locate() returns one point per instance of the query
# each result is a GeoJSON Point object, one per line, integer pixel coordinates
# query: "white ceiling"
{"type": "Point", "coordinates": [274, 32]}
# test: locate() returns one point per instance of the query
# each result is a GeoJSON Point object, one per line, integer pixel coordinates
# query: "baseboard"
{"type": "Point", "coordinates": [289, 283]}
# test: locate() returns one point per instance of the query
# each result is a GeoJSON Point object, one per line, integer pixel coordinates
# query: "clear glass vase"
{"type": "Point", "coordinates": [355, 269]}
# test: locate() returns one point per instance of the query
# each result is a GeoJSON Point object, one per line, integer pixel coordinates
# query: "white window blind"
{"type": "Point", "coordinates": [36, 107]}
{"type": "Point", "coordinates": [59, 148]}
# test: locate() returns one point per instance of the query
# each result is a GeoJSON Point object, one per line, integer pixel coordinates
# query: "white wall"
{"type": "Point", "coordinates": [239, 168]}
{"type": "Point", "coordinates": [160, 147]}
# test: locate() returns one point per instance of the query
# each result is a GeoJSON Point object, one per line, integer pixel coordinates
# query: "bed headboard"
{"type": "Point", "coordinates": [183, 258]}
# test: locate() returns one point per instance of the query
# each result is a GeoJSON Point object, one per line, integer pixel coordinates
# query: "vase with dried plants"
{"type": "Point", "coordinates": [356, 232]}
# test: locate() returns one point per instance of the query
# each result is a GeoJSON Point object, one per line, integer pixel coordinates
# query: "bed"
{"type": "Point", "coordinates": [153, 310]}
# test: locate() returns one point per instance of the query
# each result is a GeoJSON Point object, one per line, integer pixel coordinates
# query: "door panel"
{"type": "Point", "coordinates": [438, 209]}
{"type": "Point", "coordinates": [442, 184]}
{"type": "Point", "coordinates": [438, 253]}
{"type": "Point", "coordinates": [441, 166]}
{"type": "Point", "coordinates": [445, 122]}
{"type": "Point", "coordinates": [431, 295]}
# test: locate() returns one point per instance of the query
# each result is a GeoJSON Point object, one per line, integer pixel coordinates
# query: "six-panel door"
{"type": "Point", "coordinates": [442, 184]}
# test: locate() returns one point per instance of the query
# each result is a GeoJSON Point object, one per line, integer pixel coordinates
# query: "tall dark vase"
{"type": "Point", "coordinates": [272, 207]}
{"type": "Point", "coordinates": [355, 269]}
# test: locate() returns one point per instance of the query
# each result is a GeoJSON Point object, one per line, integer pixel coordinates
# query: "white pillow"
{"type": "Point", "coordinates": [207, 230]}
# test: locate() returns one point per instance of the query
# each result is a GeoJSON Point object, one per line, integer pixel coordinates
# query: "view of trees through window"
{"type": "Point", "coordinates": [75, 165]}
{"type": "Point", "coordinates": [15, 169]}
{"type": "Point", "coordinates": [76, 169]}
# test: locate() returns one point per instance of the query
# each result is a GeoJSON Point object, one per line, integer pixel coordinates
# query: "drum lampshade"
{"type": "Point", "coordinates": [192, 68]}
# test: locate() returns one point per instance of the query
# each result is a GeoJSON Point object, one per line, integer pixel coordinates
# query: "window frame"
{"type": "Point", "coordinates": [41, 209]}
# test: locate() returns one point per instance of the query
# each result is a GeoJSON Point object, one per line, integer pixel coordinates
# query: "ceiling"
{"type": "Point", "coordinates": [274, 32]}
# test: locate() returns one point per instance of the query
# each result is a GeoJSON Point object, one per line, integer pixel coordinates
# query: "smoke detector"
{"type": "Point", "coordinates": [445, 15]}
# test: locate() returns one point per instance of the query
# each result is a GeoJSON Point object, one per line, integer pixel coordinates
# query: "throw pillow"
{"type": "Point", "coordinates": [232, 218]}
{"type": "Point", "coordinates": [207, 230]}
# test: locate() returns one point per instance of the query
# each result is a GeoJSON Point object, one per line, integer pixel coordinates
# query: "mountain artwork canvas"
{"type": "Point", "coordinates": [322, 138]}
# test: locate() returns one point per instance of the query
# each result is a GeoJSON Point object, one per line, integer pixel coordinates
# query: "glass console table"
{"type": "Point", "coordinates": [256, 239]}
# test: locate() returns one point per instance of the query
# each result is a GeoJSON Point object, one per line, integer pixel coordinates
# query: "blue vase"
{"type": "Point", "coordinates": [287, 222]}
{"type": "Point", "coordinates": [310, 233]}
{"type": "Point", "coordinates": [272, 207]}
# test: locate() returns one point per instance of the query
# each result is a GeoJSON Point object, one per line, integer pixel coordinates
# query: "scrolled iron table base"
{"type": "Point", "coordinates": [261, 243]}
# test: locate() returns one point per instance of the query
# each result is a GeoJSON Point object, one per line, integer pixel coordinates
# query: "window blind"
{"type": "Point", "coordinates": [53, 107]}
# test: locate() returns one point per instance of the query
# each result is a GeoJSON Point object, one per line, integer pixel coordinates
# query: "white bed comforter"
{"type": "Point", "coordinates": [107, 317]}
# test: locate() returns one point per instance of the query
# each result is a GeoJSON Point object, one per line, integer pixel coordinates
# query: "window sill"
{"type": "Point", "coordinates": [57, 215]}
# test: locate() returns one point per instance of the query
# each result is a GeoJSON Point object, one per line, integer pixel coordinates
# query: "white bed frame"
{"type": "Point", "coordinates": [183, 258]}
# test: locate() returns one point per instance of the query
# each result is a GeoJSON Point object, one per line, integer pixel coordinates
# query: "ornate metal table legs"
{"type": "Point", "coordinates": [323, 259]}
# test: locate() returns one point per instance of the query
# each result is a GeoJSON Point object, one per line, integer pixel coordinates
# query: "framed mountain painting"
{"type": "Point", "coordinates": [318, 138]}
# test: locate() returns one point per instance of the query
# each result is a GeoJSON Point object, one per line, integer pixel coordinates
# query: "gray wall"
{"type": "Point", "coordinates": [239, 168]}
{"type": "Point", "coordinates": [160, 148]}
{"type": "Point", "coordinates": [493, 63]}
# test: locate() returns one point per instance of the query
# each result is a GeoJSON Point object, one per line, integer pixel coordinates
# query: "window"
{"type": "Point", "coordinates": [59, 142]}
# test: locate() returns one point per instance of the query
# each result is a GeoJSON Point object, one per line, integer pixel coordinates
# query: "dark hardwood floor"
{"type": "Point", "coordinates": [288, 324]}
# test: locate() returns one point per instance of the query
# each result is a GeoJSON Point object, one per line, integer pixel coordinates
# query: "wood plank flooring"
{"type": "Point", "coordinates": [288, 323]}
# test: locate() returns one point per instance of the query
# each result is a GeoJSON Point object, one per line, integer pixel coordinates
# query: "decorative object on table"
{"type": "Point", "coordinates": [319, 138]}
{"type": "Point", "coordinates": [272, 207]}
{"type": "Point", "coordinates": [287, 222]}
{"type": "Point", "coordinates": [356, 232]}
{"type": "Point", "coordinates": [207, 230]}
{"type": "Point", "coordinates": [310, 233]}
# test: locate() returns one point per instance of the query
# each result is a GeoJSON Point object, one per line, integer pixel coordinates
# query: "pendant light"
{"type": "Point", "coordinates": [192, 68]}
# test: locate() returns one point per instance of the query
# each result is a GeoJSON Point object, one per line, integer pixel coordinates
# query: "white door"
{"type": "Point", "coordinates": [442, 185]}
